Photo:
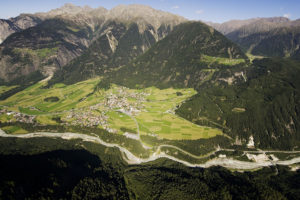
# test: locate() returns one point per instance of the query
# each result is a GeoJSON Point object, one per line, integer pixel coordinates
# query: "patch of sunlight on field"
{"type": "Point", "coordinates": [119, 121]}
{"type": "Point", "coordinates": [13, 130]}
{"type": "Point", "coordinates": [158, 118]}
{"type": "Point", "coordinates": [32, 99]}
{"type": "Point", "coordinates": [221, 61]}
{"type": "Point", "coordinates": [4, 88]}
{"type": "Point", "coordinates": [46, 120]}
{"type": "Point", "coordinates": [6, 118]}
{"type": "Point", "coordinates": [172, 127]}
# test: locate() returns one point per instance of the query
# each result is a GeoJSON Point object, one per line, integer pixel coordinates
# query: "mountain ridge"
{"type": "Point", "coordinates": [271, 37]}
{"type": "Point", "coordinates": [180, 58]}
{"type": "Point", "coordinates": [84, 26]}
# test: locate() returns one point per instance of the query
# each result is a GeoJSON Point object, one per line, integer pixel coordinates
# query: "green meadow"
{"type": "Point", "coordinates": [155, 118]}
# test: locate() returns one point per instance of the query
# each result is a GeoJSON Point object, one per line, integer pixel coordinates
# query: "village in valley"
{"type": "Point", "coordinates": [116, 109]}
{"type": "Point", "coordinates": [120, 99]}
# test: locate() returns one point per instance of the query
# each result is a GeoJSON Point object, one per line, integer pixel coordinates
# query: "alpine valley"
{"type": "Point", "coordinates": [138, 103]}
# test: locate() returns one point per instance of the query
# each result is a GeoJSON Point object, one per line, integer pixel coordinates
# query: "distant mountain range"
{"type": "Point", "coordinates": [277, 36]}
{"type": "Point", "coordinates": [107, 39]}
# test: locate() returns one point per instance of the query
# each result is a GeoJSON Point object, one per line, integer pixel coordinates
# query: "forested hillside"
{"type": "Point", "coordinates": [266, 106]}
{"type": "Point", "coordinates": [44, 172]}
{"type": "Point", "coordinates": [187, 57]}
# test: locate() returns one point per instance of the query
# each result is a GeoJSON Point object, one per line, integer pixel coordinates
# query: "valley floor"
{"type": "Point", "coordinates": [141, 123]}
{"type": "Point", "coordinates": [130, 158]}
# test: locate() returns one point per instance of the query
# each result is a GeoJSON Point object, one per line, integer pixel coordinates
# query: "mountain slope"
{"type": "Point", "coordinates": [272, 37]}
{"type": "Point", "coordinates": [45, 47]}
{"type": "Point", "coordinates": [12, 25]}
{"type": "Point", "coordinates": [187, 56]}
{"type": "Point", "coordinates": [265, 107]}
{"type": "Point", "coordinates": [118, 35]}
{"type": "Point", "coordinates": [243, 99]}
{"type": "Point", "coordinates": [127, 32]}
{"type": "Point", "coordinates": [279, 42]}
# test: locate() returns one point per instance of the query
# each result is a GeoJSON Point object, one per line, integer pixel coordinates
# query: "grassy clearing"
{"type": "Point", "coordinates": [221, 61]}
{"type": "Point", "coordinates": [41, 53]}
{"type": "Point", "coordinates": [253, 57]}
{"type": "Point", "coordinates": [238, 110]}
{"type": "Point", "coordinates": [73, 29]}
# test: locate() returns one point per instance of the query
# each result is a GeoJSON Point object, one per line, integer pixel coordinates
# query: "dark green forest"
{"type": "Point", "coordinates": [42, 168]}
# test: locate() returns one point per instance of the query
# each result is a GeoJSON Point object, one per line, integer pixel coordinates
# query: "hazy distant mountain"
{"type": "Point", "coordinates": [228, 27]}
{"type": "Point", "coordinates": [277, 36]}
{"type": "Point", "coordinates": [65, 33]}
{"type": "Point", "coordinates": [249, 26]}
{"type": "Point", "coordinates": [278, 42]}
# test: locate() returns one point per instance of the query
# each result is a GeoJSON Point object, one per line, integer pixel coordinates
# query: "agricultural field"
{"type": "Point", "coordinates": [31, 101]}
{"type": "Point", "coordinates": [14, 130]}
{"type": "Point", "coordinates": [4, 88]}
{"type": "Point", "coordinates": [159, 117]}
{"type": "Point", "coordinates": [149, 111]}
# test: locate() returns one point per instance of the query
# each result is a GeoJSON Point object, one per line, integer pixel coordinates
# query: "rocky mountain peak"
{"type": "Point", "coordinates": [276, 19]}
{"type": "Point", "coordinates": [135, 12]}
{"type": "Point", "coordinates": [67, 9]}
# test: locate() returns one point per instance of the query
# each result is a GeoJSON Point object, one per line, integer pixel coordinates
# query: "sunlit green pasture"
{"type": "Point", "coordinates": [32, 100]}
{"type": "Point", "coordinates": [14, 130]}
{"type": "Point", "coordinates": [121, 122]}
{"type": "Point", "coordinates": [4, 88]}
{"type": "Point", "coordinates": [221, 61]}
{"type": "Point", "coordinates": [156, 116]}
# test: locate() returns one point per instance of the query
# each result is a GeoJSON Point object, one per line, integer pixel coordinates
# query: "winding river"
{"type": "Point", "coordinates": [130, 158]}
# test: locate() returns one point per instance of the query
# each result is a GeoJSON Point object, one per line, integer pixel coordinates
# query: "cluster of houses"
{"type": "Point", "coordinates": [88, 118]}
{"type": "Point", "coordinates": [19, 117]}
{"type": "Point", "coordinates": [113, 101]}
{"type": "Point", "coordinates": [120, 100]}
